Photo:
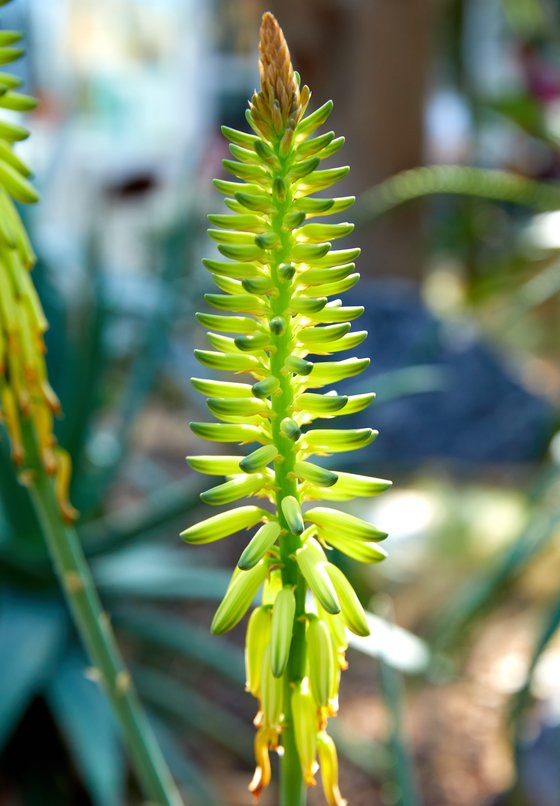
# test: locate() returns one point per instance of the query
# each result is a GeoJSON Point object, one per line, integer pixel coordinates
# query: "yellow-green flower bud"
{"type": "Point", "coordinates": [262, 542]}
{"type": "Point", "coordinates": [320, 659]}
{"type": "Point", "coordinates": [257, 639]}
{"type": "Point", "coordinates": [313, 565]}
{"type": "Point", "coordinates": [304, 718]}
{"type": "Point", "coordinates": [292, 513]}
{"type": "Point", "coordinates": [272, 694]}
{"type": "Point", "coordinates": [224, 524]}
{"type": "Point", "coordinates": [333, 520]}
{"type": "Point", "coordinates": [352, 610]}
{"type": "Point", "coordinates": [282, 628]}
{"type": "Point", "coordinates": [239, 595]}
{"type": "Point", "coordinates": [259, 459]}
{"type": "Point", "coordinates": [328, 762]}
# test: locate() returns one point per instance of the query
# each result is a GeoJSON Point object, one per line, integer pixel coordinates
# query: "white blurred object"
{"type": "Point", "coordinates": [396, 646]}
{"type": "Point", "coordinates": [544, 231]}
{"type": "Point", "coordinates": [448, 127]}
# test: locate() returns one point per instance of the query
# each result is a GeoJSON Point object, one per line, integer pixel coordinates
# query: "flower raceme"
{"type": "Point", "coordinates": [274, 315]}
{"type": "Point", "coordinates": [26, 398]}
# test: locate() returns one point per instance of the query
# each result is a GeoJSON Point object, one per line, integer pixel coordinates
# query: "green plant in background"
{"type": "Point", "coordinates": [280, 273]}
{"type": "Point", "coordinates": [27, 407]}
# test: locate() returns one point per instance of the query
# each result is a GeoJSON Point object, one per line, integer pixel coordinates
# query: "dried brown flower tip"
{"type": "Point", "coordinates": [278, 82]}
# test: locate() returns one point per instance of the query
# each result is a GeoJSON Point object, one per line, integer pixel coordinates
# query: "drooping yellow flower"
{"type": "Point", "coordinates": [27, 401]}
{"type": "Point", "coordinates": [328, 762]}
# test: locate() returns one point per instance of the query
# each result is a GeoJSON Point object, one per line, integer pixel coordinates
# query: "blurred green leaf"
{"type": "Point", "coordinates": [155, 572]}
{"type": "Point", "coordinates": [180, 703]}
{"type": "Point", "coordinates": [403, 773]}
{"type": "Point", "coordinates": [370, 756]}
{"type": "Point", "coordinates": [32, 632]}
{"type": "Point", "coordinates": [526, 17]}
{"type": "Point", "coordinates": [87, 362]}
{"type": "Point", "coordinates": [199, 787]}
{"type": "Point", "coordinates": [481, 592]}
{"type": "Point", "coordinates": [409, 381]}
{"type": "Point", "coordinates": [141, 519]}
{"type": "Point", "coordinates": [86, 721]}
{"type": "Point", "coordinates": [393, 692]}
{"type": "Point", "coordinates": [518, 703]}
{"type": "Point", "coordinates": [431, 180]}
{"type": "Point", "coordinates": [168, 631]}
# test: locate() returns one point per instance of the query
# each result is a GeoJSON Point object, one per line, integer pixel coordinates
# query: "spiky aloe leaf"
{"type": "Point", "coordinates": [275, 309]}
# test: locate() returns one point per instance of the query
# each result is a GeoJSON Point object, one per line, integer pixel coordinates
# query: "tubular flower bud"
{"type": "Point", "coordinates": [314, 567]}
{"type": "Point", "coordinates": [262, 542]}
{"type": "Point", "coordinates": [320, 659]}
{"type": "Point", "coordinates": [352, 610]}
{"type": "Point", "coordinates": [282, 628]}
{"type": "Point", "coordinates": [27, 402]}
{"type": "Point", "coordinates": [239, 595]}
{"type": "Point", "coordinates": [328, 762]}
{"type": "Point", "coordinates": [256, 642]}
{"type": "Point", "coordinates": [275, 274]}
{"type": "Point", "coordinates": [304, 715]}
{"type": "Point", "coordinates": [272, 694]}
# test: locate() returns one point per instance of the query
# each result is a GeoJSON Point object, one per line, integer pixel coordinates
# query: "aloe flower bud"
{"type": "Point", "coordinates": [27, 402]}
{"type": "Point", "coordinates": [304, 714]}
{"type": "Point", "coordinates": [256, 642]}
{"type": "Point", "coordinates": [277, 310]}
{"type": "Point", "coordinates": [321, 662]}
{"type": "Point", "coordinates": [328, 762]}
{"type": "Point", "coordinates": [282, 629]}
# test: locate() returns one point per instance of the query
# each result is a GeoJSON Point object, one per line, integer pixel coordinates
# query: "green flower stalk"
{"type": "Point", "coordinates": [279, 273]}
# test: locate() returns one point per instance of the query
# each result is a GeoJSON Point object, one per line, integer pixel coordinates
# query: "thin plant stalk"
{"type": "Point", "coordinates": [94, 627]}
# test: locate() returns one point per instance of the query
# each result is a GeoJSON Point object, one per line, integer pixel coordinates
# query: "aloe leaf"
{"type": "Point", "coordinates": [187, 707]}
{"type": "Point", "coordinates": [549, 628]}
{"type": "Point", "coordinates": [176, 634]}
{"type": "Point", "coordinates": [87, 723]}
{"type": "Point", "coordinates": [480, 593]}
{"type": "Point", "coordinates": [150, 573]}
{"type": "Point", "coordinates": [130, 522]}
{"type": "Point", "coordinates": [393, 691]}
{"type": "Point", "coordinates": [198, 786]}
{"type": "Point", "coordinates": [32, 634]}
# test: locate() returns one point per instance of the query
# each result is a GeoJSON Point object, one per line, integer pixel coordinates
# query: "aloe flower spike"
{"type": "Point", "coordinates": [274, 319]}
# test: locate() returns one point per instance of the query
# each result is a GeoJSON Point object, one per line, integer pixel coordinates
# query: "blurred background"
{"type": "Point", "coordinates": [451, 112]}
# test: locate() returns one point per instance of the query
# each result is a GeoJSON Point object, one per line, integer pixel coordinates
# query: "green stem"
{"type": "Point", "coordinates": [95, 630]}
{"type": "Point", "coordinates": [292, 788]}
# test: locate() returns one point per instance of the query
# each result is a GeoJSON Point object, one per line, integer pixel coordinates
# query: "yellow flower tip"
{"type": "Point", "coordinates": [26, 477]}
{"type": "Point", "coordinates": [275, 66]}
{"type": "Point", "coordinates": [329, 770]}
{"type": "Point", "coordinates": [63, 477]}
{"type": "Point", "coordinates": [51, 399]}
{"type": "Point", "coordinates": [262, 775]}
{"type": "Point", "coordinates": [49, 462]}
{"type": "Point", "coordinates": [17, 453]}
